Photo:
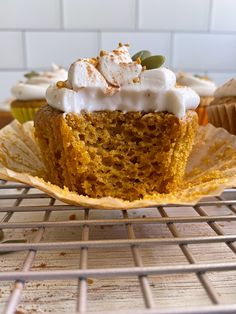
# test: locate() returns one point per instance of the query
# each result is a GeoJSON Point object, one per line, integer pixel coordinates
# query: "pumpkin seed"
{"type": "Point", "coordinates": [153, 62]}
{"type": "Point", "coordinates": [31, 74]}
{"type": "Point", "coordinates": [143, 54]}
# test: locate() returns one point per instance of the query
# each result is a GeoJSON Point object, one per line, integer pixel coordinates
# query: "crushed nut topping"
{"type": "Point", "coordinates": [103, 53]}
{"type": "Point", "coordinates": [116, 51]}
{"type": "Point", "coordinates": [136, 80]}
{"type": "Point", "coordinates": [178, 85]}
{"type": "Point", "coordinates": [121, 45]}
{"type": "Point", "coordinates": [61, 84]}
{"type": "Point", "coordinates": [94, 61]}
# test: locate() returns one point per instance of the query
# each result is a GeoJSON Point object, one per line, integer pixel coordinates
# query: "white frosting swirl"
{"type": "Point", "coordinates": [35, 88]}
{"type": "Point", "coordinates": [226, 90]}
{"type": "Point", "coordinates": [202, 87]}
{"type": "Point", "coordinates": [118, 83]}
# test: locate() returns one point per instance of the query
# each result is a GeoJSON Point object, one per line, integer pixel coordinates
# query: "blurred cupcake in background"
{"type": "Point", "coordinates": [5, 114]}
{"type": "Point", "coordinates": [222, 110]}
{"type": "Point", "coordinates": [204, 87]}
{"type": "Point", "coordinates": [29, 95]}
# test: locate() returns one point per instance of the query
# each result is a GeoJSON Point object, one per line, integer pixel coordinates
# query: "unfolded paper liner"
{"type": "Point", "coordinates": [211, 168]}
{"type": "Point", "coordinates": [223, 115]}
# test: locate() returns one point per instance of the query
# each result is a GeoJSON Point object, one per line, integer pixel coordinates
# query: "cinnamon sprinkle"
{"type": "Point", "coordinates": [103, 53]}
{"type": "Point", "coordinates": [89, 70]}
{"type": "Point", "coordinates": [136, 80]}
{"type": "Point", "coordinates": [61, 84]}
{"type": "Point", "coordinates": [93, 61]}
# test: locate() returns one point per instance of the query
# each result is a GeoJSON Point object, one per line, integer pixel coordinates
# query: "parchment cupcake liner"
{"type": "Point", "coordinates": [223, 115]}
{"type": "Point", "coordinates": [211, 168]}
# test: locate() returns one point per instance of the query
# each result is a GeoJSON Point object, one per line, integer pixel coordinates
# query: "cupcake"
{"type": "Point", "coordinates": [222, 110]}
{"type": "Point", "coordinates": [30, 94]}
{"type": "Point", "coordinates": [117, 129]}
{"type": "Point", "coordinates": [204, 87]}
{"type": "Point", "coordinates": [5, 114]}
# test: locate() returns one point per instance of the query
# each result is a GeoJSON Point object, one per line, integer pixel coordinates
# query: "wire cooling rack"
{"type": "Point", "coordinates": [168, 259]}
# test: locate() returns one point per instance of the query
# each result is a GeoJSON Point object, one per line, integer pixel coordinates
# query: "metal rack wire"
{"type": "Point", "coordinates": [219, 222]}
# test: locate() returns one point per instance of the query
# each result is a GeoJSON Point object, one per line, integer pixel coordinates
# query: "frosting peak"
{"type": "Point", "coordinates": [83, 73]}
{"type": "Point", "coordinates": [113, 81]}
{"type": "Point", "coordinates": [35, 87]}
{"type": "Point", "coordinates": [117, 67]}
{"type": "Point", "coordinates": [201, 85]}
{"type": "Point", "coordinates": [157, 79]}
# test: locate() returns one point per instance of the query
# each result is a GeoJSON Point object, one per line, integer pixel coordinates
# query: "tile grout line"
{"type": "Point", "coordinates": [226, 71]}
{"type": "Point", "coordinates": [172, 50]}
{"type": "Point", "coordinates": [119, 30]}
{"type": "Point", "coordinates": [137, 16]}
{"type": "Point", "coordinates": [24, 49]}
{"type": "Point", "coordinates": [62, 21]}
{"type": "Point", "coordinates": [209, 26]}
{"type": "Point", "coordinates": [99, 39]}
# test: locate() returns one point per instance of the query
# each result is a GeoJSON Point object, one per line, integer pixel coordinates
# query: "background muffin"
{"type": "Point", "coordinates": [30, 94]}
{"type": "Point", "coordinates": [222, 110]}
{"type": "Point", "coordinates": [204, 87]}
{"type": "Point", "coordinates": [5, 114]}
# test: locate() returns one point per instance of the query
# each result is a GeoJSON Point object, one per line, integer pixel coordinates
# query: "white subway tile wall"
{"type": "Point", "coordinates": [195, 35]}
{"type": "Point", "coordinates": [99, 14]}
{"type": "Point", "coordinates": [11, 50]}
{"type": "Point", "coordinates": [222, 20]}
{"type": "Point", "coordinates": [28, 14]}
{"type": "Point", "coordinates": [62, 48]}
{"type": "Point", "coordinates": [174, 15]}
{"type": "Point", "coordinates": [204, 52]}
{"type": "Point", "coordinates": [8, 79]}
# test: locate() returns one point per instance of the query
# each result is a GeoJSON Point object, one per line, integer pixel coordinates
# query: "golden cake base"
{"type": "Point", "coordinates": [125, 155]}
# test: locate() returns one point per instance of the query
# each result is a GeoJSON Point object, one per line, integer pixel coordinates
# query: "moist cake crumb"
{"type": "Point", "coordinates": [111, 153]}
